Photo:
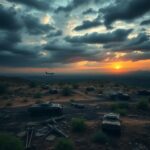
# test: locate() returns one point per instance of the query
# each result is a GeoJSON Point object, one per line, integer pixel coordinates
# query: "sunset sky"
{"type": "Point", "coordinates": [74, 36]}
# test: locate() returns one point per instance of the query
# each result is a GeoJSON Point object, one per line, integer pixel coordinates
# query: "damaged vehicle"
{"type": "Point", "coordinates": [48, 109]}
{"type": "Point", "coordinates": [77, 105]}
{"type": "Point", "coordinates": [111, 123]}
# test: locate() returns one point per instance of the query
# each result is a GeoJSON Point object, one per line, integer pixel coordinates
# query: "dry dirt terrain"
{"type": "Point", "coordinates": [21, 94]}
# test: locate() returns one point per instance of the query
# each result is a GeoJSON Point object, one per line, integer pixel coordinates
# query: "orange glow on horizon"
{"type": "Point", "coordinates": [128, 66]}
{"type": "Point", "coordinates": [120, 67]}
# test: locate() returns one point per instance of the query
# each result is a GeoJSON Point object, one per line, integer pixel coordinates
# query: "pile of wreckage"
{"type": "Point", "coordinates": [46, 130]}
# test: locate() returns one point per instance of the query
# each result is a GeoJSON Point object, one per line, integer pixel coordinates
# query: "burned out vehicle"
{"type": "Point", "coordinates": [119, 96]}
{"type": "Point", "coordinates": [90, 89]}
{"type": "Point", "coordinates": [45, 87]}
{"type": "Point", "coordinates": [47, 109]}
{"type": "Point", "coordinates": [111, 123]}
{"type": "Point", "coordinates": [144, 92]}
{"type": "Point", "coordinates": [78, 105]}
{"type": "Point", "coordinates": [53, 91]}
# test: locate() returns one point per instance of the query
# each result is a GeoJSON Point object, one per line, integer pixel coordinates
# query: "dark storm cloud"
{"type": "Point", "coordinates": [145, 46]}
{"type": "Point", "coordinates": [58, 46]}
{"type": "Point", "coordinates": [73, 5]}
{"type": "Point", "coordinates": [17, 25]}
{"type": "Point", "coordinates": [87, 24]}
{"type": "Point", "coordinates": [34, 26]}
{"type": "Point", "coordinates": [131, 56]}
{"type": "Point", "coordinates": [8, 19]}
{"type": "Point", "coordinates": [21, 56]}
{"type": "Point", "coordinates": [37, 4]}
{"type": "Point", "coordinates": [17, 60]}
{"type": "Point", "coordinates": [10, 43]}
{"type": "Point", "coordinates": [68, 53]}
{"type": "Point", "coordinates": [145, 22]}
{"type": "Point", "coordinates": [89, 11]}
{"type": "Point", "coordinates": [141, 38]}
{"type": "Point", "coordinates": [125, 10]}
{"type": "Point", "coordinates": [27, 50]}
{"type": "Point", "coordinates": [93, 38]}
{"type": "Point", "coordinates": [55, 33]}
{"type": "Point", "coordinates": [141, 42]}
{"type": "Point", "coordinates": [8, 40]}
{"type": "Point", "coordinates": [137, 57]}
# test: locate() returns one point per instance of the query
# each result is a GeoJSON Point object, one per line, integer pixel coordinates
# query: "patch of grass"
{"type": "Point", "coordinates": [32, 84]}
{"type": "Point", "coordinates": [66, 91]}
{"type": "Point", "coordinates": [120, 108]}
{"type": "Point", "coordinates": [3, 89]}
{"type": "Point", "coordinates": [9, 104]}
{"type": "Point", "coordinates": [143, 105]}
{"type": "Point", "coordinates": [122, 112]}
{"type": "Point", "coordinates": [64, 144]}
{"type": "Point", "coordinates": [71, 101]}
{"type": "Point", "coordinates": [25, 100]}
{"type": "Point", "coordinates": [121, 105]}
{"type": "Point", "coordinates": [124, 105]}
{"type": "Point", "coordinates": [100, 137]}
{"type": "Point", "coordinates": [6, 97]}
{"type": "Point", "coordinates": [90, 89]}
{"type": "Point", "coordinates": [39, 101]}
{"type": "Point", "coordinates": [9, 142]}
{"type": "Point", "coordinates": [75, 86]}
{"type": "Point", "coordinates": [78, 125]}
{"type": "Point", "coordinates": [37, 95]}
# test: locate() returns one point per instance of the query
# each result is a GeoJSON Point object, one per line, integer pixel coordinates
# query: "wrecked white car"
{"type": "Point", "coordinates": [111, 123]}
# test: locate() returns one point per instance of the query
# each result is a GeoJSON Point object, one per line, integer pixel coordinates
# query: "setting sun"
{"type": "Point", "coordinates": [117, 66]}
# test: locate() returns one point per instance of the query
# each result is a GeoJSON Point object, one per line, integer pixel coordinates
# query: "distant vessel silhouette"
{"type": "Point", "coordinates": [49, 73]}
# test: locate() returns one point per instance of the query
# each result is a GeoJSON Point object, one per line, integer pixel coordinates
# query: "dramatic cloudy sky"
{"type": "Point", "coordinates": [70, 36]}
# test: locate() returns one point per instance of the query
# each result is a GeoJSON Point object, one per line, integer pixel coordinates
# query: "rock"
{"type": "Point", "coordinates": [50, 138]}
{"type": "Point", "coordinates": [21, 134]}
{"type": "Point", "coordinates": [139, 146]}
{"type": "Point", "coordinates": [32, 123]}
{"type": "Point", "coordinates": [39, 134]}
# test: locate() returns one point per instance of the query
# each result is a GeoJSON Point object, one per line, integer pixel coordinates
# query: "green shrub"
{"type": "Point", "coordinates": [120, 108]}
{"type": "Point", "coordinates": [143, 105]}
{"type": "Point", "coordinates": [39, 101]}
{"type": "Point", "coordinates": [64, 144]}
{"type": "Point", "coordinates": [6, 97]}
{"type": "Point", "coordinates": [75, 86]}
{"type": "Point", "coordinates": [32, 84]}
{"type": "Point", "coordinates": [37, 95]}
{"type": "Point", "coordinates": [122, 112]}
{"type": "Point", "coordinates": [25, 100]}
{"type": "Point", "coordinates": [100, 137]}
{"type": "Point", "coordinates": [71, 101]}
{"type": "Point", "coordinates": [9, 142]}
{"type": "Point", "coordinates": [78, 125]}
{"type": "Point", "coordinates": [9, 104]}
{"type": "Point", "coordinates": [66, 91]}
{"type": "Point", "coordinates": [123, 105]}
{"type": "Point", "coordinates": [3, 89]}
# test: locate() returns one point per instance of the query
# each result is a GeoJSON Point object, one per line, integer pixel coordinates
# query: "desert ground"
{"type": "Point", "coordinates": [21, 94]}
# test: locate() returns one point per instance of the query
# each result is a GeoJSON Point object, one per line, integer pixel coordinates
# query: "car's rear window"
{"type": "Point", "coordinates": [110, 118]}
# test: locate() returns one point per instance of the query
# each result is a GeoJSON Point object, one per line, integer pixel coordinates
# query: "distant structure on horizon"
{"type": "Point", "coordinates": [49, 73]}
